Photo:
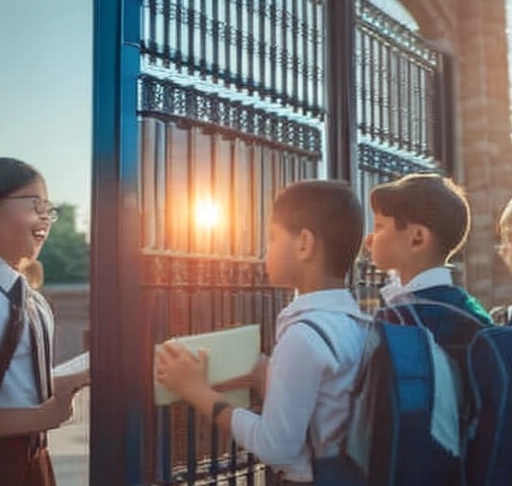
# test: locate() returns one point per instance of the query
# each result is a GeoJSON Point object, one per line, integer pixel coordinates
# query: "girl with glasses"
{"type": "Point", "coordinates": [31, 401]}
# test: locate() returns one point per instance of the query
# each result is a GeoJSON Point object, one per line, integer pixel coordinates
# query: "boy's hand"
{"type": "Point", "coordinates": [180, 370]}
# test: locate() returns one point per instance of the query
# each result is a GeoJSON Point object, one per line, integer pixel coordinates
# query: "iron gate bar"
{"type": "Point", "coordinates": [363, 86]}
{"type": "Point", "coordinates": [179, 54]}
{"type": "Point", "coordinates": [202, 41]}
{"type": "Point", "coordinates": [315, 101]}
{"type": "Point", "coordinates": [215, 39]}
{"type": "Point", "coordinates": [191, 446]}
{"type": "Point", "coordinates": [239, 46]}
{"type": "Point", "coordinates": [294, 95]}
{"type": "Point", "coordinates": [153, 47]}
{"type": "Point", "coordinates": [380, 106]}
{"type": "Point", "coordinates": [226, 75]}
{"type": "Point", "coordinates": [166, 13]}
{"type": "Point", "coordinates": [272, 88]}
{"type": "Point", "coordinates": [191, 61]}
{"type": "Point", "coordinates": [262, 54]}
{"type": "Point", "coordinates": [340, 84]}
{"type": "Point", "coordinates": [443, 124]}
{"type": "Point", "coordinates": [251, 47]}
{"type": "Point", "coordinates": [305, 56]}
{"type": "Point", "coordinates": [284, 54]}
{"type": "Point", "coordinates": [372, 78]}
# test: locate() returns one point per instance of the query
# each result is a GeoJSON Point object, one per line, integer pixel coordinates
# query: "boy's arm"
{"type": "Point", "coordinates": [280, 432]}
{"type": "Point", "coordinates": [185, 373]}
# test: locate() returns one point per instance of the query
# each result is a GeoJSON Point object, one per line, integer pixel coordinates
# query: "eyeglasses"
{"type": "Point", "coordinates": [40, 206]}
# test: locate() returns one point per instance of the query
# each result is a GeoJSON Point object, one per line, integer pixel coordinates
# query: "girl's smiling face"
{"type": "Point", "coordinates": [25, 220]}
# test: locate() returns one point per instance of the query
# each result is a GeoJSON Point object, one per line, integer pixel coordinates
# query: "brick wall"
{"type": "Point", "coordinates": [474, 31]}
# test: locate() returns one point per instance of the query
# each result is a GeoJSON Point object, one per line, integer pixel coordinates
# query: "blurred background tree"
{"type": "Point", "coordinates": [65, 255]}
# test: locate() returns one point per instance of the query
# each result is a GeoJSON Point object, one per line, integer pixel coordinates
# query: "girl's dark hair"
{"type": "Point", "coordinates": [15, 174]}
{"type": "Point", "coordinates": [331, 211]}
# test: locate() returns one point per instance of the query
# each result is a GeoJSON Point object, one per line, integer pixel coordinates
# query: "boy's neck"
{"type": "Point", "coordinates": [320, 282]}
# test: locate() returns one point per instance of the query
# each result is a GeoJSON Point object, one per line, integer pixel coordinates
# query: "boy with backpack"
{"type": "Point", "coordinates": [420, 222]}
{"type": "Point", "coordinates": [315, 235]}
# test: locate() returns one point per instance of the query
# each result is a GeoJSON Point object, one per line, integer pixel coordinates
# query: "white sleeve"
{"type": "Point", "coordinates": [279, 433]}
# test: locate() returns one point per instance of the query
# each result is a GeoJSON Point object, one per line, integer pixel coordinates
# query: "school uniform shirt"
{"type": "Point", "coordinates": [308, 388]}
{"type": "Point", "coordinates": [19, 388]}
{"type": "Point", "coordinates": [432, 277]}
{"type": "Point", "coordinates": [436, 284]}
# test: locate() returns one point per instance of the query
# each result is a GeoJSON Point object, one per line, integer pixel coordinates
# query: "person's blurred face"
{"type": "Point", "coordinates": [25, 221]}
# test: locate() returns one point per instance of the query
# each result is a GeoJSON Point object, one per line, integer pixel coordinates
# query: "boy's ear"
{"type": "Point", "coordinates": [306, 244]}
{"type": "Point", "coordinates": [421, 237]}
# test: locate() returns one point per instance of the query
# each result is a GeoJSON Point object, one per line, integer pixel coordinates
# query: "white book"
{"type": "Point", "coordinates": [232, 353]}
{"type": "Point", "coordinates": [75, 365]}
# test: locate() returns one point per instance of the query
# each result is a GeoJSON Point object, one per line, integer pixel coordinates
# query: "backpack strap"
{"type": "Point", "coordinates": [13, 329]}
{"type": "Point", "coordinates": [322, 333]}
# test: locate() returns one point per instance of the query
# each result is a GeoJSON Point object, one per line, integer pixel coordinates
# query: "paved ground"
{"type": "Point", "coordinates": [69, 446]}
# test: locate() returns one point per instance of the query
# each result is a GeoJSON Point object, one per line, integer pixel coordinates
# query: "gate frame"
{"type": "Point", "coordinates": [117, 379]}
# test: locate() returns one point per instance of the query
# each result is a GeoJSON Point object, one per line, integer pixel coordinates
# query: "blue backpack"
{"type": "Point", "coordinates": [489, 446]}
{"type": "Point", "coordinates": [483, 355]}
{"type": "Point", "coordinates": [390, 441]}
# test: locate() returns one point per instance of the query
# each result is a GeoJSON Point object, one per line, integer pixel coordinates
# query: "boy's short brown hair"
{"type": "Point", "coordinates": [331, 211]}
{"type": "Point", "coordinates": [431, 200]}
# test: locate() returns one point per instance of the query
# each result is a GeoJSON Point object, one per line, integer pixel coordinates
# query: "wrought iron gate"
{"type": "Point", "coordinates": [403, 115]}
{"type": "Point", "coordinates": [203, 110]}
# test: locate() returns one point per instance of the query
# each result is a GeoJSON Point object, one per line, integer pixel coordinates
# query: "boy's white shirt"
{"type": "Point", "coordinates": [432, 277]}
{"type": "Point", "coordinates": [307, 385]}
{"type": "Point", "coordinates": [445, 417]}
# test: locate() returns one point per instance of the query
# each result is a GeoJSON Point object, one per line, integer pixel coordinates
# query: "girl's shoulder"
{"type": "Point", "coordinates": [42, 302]}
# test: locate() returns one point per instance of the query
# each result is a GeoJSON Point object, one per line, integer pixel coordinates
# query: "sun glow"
{"type": "Point", "coordinates": [207, 213]}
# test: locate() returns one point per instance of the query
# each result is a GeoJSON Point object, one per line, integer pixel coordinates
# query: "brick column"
{"type": "Point", "coordinates": [485, 146]}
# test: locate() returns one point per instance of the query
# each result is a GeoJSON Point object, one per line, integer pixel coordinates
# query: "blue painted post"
{"type": "Point", "coordinates": [120, 352]}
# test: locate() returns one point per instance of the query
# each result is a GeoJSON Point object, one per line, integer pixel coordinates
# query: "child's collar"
{"type": "Point", "coordinates": [7, 275]}
{"type": "Point", "coordinates": [433, 277]}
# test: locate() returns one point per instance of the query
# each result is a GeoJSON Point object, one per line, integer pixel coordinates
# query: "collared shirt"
{"type": "Point", "coordinates": [432, 277]}
{"type": "Point", "coordinates": [19, 388]}
{"type": "Point", "coordinates": [307, 387]}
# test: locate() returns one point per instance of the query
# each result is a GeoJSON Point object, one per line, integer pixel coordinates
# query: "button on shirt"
{"type": "Point", "coordinates": [306, 386]}
{"type": "Point", "coordinates": [19, 387]}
